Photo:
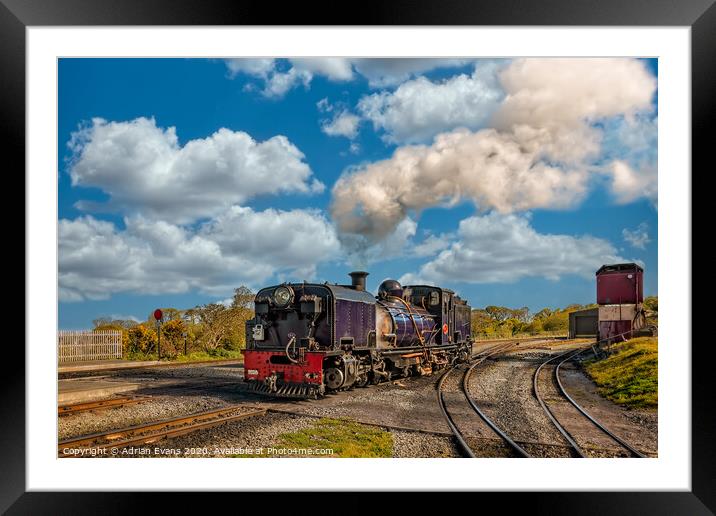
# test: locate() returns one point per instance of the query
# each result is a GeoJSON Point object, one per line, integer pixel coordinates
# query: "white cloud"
{"type": "Point", "coordinates": [343, 123]}
{"type": "Point", "coordinates": [556, 92]}
{"type": "Point", "coordinates": [278, 238]}
{"type": "Point", "coordinates": [635, 137]}
{"type": "Point", "coordinates": [628, 184]}
{"type": "Point", "coordinates": [324, 105]}
{"type": "Point", "coordinates": [431, 245]}
{"type": "Point", "coordinates": [556, 99]}
{"type": "Point", "coordinates": [497, 248]}
{"type": "Point", "coordinates": [241, 246]}
{"type": "Point", "coordinates": [120, 317]}
{"type": "Point", "coordinates": [144, 169]}
{"type": "Point", "coordinates": [639, 237]}
{"type": "Point", "coordinates": [380, 72]}
{"type": "Point", "coordinates": [250, 66]}
{"type": "Point", "coordinates": [333, 68]}
{"type": "Point", "coordinates": [278, 80]}
{"type": "Point", "coordinates": [279, 83]}
{"type": "Point", "coordinates": [539, 154]}
{"type": "Point", "coordinates": [400, 243]}
{"type": "Point", "coordinates": [419, 109]}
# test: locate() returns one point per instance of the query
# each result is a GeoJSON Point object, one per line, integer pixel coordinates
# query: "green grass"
{"type": "Point", "coordinates": [629, 376]}
{"type": "Point", "coordinates": [345, 438]}
{"type": "Point", "coordinates": [137, 356]}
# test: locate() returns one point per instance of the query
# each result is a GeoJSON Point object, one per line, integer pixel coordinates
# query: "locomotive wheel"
{"type": "Point", "coordinates": [333, 378]}
{"type": "Point", "coordinates": [361, 381]}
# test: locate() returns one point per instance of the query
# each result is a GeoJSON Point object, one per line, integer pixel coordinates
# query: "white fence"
{"type": "Point", "coordinates": [77, 346]}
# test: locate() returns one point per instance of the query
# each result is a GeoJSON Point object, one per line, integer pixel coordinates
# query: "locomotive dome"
{"type": "Point", "coordinates": [390, 287]}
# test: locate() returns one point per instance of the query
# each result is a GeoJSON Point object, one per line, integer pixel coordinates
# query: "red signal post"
{"type": "Point", "coordinates": [158, 317]}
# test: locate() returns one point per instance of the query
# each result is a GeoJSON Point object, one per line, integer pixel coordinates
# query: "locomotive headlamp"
{"type": "Point", "coordinates": [282, 296]}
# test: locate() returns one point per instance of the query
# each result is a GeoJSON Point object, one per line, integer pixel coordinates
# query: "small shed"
{"type": "Point", "coordinates": [584, 323]}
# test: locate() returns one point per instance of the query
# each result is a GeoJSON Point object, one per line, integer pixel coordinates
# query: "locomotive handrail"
{"type": "Point", "coordinates": [292, 340]}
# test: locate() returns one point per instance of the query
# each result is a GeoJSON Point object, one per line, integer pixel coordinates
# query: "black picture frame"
{"type": "Point", "coordinates": [700, 15]}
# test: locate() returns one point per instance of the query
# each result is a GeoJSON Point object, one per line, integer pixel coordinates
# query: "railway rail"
{"type": "Point", "coordinates": [577, 449]}
{"type": "Point", "coordinates": [557, 362]}
{"type": "Point", "coordinates": [74, 408]}
{"type": "Point", "coordinates": [465, 387]}
{"type": "Point", "coordinates": [156, 431]}
{"type": "Point", "coordinates": [458, 434]}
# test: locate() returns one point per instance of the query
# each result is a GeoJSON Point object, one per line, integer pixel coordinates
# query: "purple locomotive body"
{"type": "Point", "coordinates": [307, 339]}
{"type": "Point", "coordinates": [409, 324]}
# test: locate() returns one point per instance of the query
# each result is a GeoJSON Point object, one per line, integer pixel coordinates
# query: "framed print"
{"type": "Point", "coordinates": [368, 247]}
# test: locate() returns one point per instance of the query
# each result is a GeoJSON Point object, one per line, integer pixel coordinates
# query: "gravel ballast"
{"type": "Point", "coordinates": [85, 423]}
{"type": "Point", "coordinates": [502, 387]}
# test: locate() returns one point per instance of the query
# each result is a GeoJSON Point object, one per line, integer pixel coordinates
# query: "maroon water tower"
{"type": "Point", "coordinates": [620, 294]}
{"type": "Point", "coordinates": [621, 283]}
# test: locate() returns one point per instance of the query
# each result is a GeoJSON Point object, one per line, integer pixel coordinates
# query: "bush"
{"type": "Point", "coordinates": [142, 339]}
{"type": "Point", "coordinates": [173, 338]}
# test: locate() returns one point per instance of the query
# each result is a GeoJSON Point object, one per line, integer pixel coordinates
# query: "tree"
{"type": "Point", "coordinates": [543, 314]}
{"type": "Point", "coordinates": [499, 313]}
{"type": "Point", "coordinates": [215, 321]}
{"type": "Point", "coordinates": [651, 307]}
{"type": "Point", "coordinates": [522, 314]}
{"type": "Point", "coordinates": [101, 321]}
{"type": "Point", "coordinates": [481, 322]}
{"type": "Point", "coordinates": [171, 314]}
{"type": "Point", "coordinates": [651, 303]}
{"type": "Point", "coordinates": [558, 321]}
{"type": "Point", "coordinates": [243, 298]}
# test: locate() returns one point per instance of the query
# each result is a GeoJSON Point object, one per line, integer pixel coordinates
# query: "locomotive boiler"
{"type": "Point", "coordinates": [307, 339]}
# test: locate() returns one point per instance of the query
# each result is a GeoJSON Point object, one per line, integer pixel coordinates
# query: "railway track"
{"type": "Point", "coordinates": [577, 450]}
{"type": "Point", "coordinates": [457, 433]}
{"type": "Point", "coordinates": [160, 391]}
{"type": "Point", "coordinates": [153, 432]}
{"type": "Point", "coordinates": [109, 403]}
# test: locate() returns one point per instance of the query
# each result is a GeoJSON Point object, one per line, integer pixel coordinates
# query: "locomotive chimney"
{"type": "Point", "coordinates": [358, 279]}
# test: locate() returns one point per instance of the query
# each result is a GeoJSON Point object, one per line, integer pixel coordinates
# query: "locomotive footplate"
{"type": "Point", "coordinates": [287, 390]}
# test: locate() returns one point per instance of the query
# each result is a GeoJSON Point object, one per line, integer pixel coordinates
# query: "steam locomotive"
{"type": "Point", "coordinates": [307, 339]}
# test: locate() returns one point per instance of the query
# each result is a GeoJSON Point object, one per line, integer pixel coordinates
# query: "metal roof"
{"type": "Point", "coordinates": [617, 267]}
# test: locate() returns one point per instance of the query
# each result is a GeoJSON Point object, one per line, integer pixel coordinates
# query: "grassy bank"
{"type": "Point", "coordinates": [336, 438]}
{"type": "Point", "coordinates": [345, 438]}
{"type": "Point", "coordinates": [629, 376]}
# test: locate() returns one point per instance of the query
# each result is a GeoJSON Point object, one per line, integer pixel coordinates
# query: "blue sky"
{"type": "Point", "coordinates": [509, 181]}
